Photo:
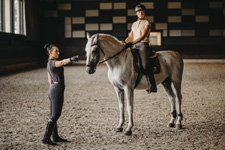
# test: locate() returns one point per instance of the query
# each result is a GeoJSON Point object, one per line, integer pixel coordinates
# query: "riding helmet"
{"type": "Point", "coordinates": [139, 8]}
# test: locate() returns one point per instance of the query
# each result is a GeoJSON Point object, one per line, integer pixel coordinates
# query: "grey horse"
{"type": "Point", "coordinates": [122, 75]}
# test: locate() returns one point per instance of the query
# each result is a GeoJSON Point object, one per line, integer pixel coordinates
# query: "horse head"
{"type": "Point", "coordinates": [92, 53]}
{"type": "Point", "coordinates": [104, 48]}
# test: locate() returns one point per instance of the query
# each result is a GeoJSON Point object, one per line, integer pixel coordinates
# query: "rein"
{"type": "Point", "coordinates": [100, 62]}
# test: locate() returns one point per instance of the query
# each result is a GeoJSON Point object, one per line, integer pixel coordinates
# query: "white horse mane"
{"type": "Point", "coordinates": [115, 43]}
{"type": "Point", "coordinates": [107, 37]}
{"type": "Point", "coordinates": [110, 37]}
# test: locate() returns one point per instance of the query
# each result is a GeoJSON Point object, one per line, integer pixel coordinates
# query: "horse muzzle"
{"type": "Point", "coordinates": [90, 69]}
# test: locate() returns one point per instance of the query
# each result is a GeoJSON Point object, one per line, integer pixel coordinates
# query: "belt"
{"type": "Point", "coordinates": [57, 83]}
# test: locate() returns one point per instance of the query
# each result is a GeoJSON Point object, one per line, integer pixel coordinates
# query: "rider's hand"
{"type": "Point", "coordinates": [129, 44]}
{"type": "Point", "coordinates": [74, 58]}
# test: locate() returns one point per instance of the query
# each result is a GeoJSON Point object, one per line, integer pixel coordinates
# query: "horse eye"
{"type": "Point", "coordinates": [93, 52]}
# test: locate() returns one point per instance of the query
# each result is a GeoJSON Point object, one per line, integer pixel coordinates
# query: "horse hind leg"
{"type": "Point", "coordinates": [177, 87]}
{"type": "Point", "coordinates": [169, 91]}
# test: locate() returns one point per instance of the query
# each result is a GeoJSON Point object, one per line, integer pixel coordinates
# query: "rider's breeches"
{"type": "Point", "coordinates": [144, 52]}
{"type": "Point", "coordinates": [56, 97]}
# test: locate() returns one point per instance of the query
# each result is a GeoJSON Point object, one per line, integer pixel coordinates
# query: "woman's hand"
{"type": "Point", "coordinates": [74, 58]}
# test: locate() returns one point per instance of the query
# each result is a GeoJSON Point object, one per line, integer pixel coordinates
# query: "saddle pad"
{"type": "Point", "coordinates": [136, 61]}
{"type": "Point", "coordinates": [153, 55]}
{"type": "Point", "coordinates": [154, 65]}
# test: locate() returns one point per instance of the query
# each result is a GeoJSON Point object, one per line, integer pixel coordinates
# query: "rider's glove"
{"type": "Point", "coordinates": [74, 58]}
{"type": "Point", "coordinates": [129, 44]}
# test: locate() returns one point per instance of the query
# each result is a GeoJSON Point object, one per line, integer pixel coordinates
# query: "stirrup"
{"type": "Point", "coordinates": [152, 89]}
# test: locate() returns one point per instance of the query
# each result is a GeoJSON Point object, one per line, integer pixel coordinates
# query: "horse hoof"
{"type": "Point", "coordinates": [128, 133]}
{"type": "Point", "coordinates": [119, 129]}
{"type": "Point", "coordinates": [178, 126]}
{"type": "Point", "coordinates": [171, 125]}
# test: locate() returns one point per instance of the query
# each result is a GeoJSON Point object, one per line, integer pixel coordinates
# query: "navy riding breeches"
{"type": "Point", "coordinates": [56, 97]}
{"type": "Point", "coordinates": [144, 52]}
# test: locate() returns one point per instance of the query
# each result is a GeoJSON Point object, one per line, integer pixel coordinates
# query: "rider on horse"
{"type": "Point", "coordinates": [139, 36]}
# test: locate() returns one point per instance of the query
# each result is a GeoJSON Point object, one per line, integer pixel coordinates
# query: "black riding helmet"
{"type": "Point", "coordinates": [139, 8]}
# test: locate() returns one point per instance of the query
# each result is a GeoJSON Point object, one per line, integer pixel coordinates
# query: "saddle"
{"type": "Point", "coordinates": [153, 61]}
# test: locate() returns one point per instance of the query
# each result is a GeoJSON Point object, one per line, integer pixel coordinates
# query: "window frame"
{"type": "Point", "coordinates": [11, 20]}
{"type": "Point", "coordinates": [1, 15]}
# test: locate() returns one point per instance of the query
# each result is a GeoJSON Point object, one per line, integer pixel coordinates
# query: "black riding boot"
{"type": "Point", "coordinates": [55, 135]}
{"type": "Point", "coordinates": [48, 133]}
{"type": "Point", "coordinates": [153, 87]}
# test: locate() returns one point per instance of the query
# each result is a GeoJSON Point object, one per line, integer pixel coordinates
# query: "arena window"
{"type": "Point", "coordinates": [12, 16]}
{"type": "Point", "coordinates": [0, 15]}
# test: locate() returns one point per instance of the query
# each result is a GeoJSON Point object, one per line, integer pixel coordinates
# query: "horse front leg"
{"type": "Point", "coordinates": [120, 96]}
{"type": "Point", "coordinates": [178, 105]}
{"type": "Point", "coordinates": [129, 95]}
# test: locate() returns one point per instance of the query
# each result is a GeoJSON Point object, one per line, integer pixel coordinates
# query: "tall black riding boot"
{"type": "Point", "coordinates": [153, 87]}
{"type": "Point", "coordinates": [48, 133]}
{"type": "Point", "coordinates": [55, 135]}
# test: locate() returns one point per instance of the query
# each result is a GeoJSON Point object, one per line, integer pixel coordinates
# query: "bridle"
{"type": "Point", "coordinates": [95, 62]}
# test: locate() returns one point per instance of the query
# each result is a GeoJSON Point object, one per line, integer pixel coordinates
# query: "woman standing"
{"type": "Point", "coordinates": [56, 93]}
{"type": "Point", "coordinates": [139, 36]}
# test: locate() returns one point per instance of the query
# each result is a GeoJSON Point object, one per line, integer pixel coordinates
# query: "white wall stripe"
{"type": "Point", "coordinates": [91, 13]}
{"type": "Point", "coordinates": [215, 32]}
{"type": "Point", "coordinates": [131, 12]}
{"type": "Point", "coordinates": [148, 5]}
{"type": "Point", "coordinates": [106, 27]}
{"type": "Point", "coordinates": [159, 26]}
{"type": "Point", "coordinates": [79, 34]}
{"type": "Point", "coordinates": [215, 4]}
{"type": "Point", "coordinates": [202, 18]}
{"type": "Point", "coordinates": [105, 6]}
{"type": "Point", "coordinates": [165, 33]}
{"type": "Point", "coordinates": [188, 12]}
{"type": "Point", "coordinates": [64, 6]}
{"type": "Point", "coordinates": [174, 5]}
{"type": "Point", "coordinates": [150, 18]}
{"type": "Point", "coordinates": [78, 20]}
{"type": "Point", "coordinates": [68, 27]}
{"type": "Point", "coordinates": [91, 27]}
{"type": "Point", "coordinates": [120, 6]}
{"type": "Point", "coordinates": [67, 34]}
{"type": "Point", "coordinates": [174, 19]}
{"type": "Point", "coordinates": [121, 19]}
{"type": "Point", "coordinates": [188, 32]}
{"type": "Point", "coordinates": [67, 20]}
{"type": "Point", "coordinates": [174, 32]}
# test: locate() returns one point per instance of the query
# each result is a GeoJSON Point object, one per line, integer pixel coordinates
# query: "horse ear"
{"type": "Point", "coordinates": [88, 36]}
{"type": "Point", "coordinates": [96, 38]}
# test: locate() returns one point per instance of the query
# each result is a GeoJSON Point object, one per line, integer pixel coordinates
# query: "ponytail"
{"type": "Point", "coordinates": [48, 47]}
